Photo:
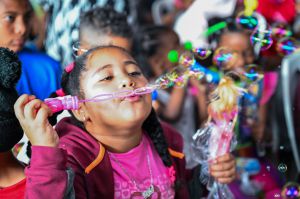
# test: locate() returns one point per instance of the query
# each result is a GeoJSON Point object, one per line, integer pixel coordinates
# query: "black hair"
{"type": "Point", "coordinates": [147, 42]}
{"type": "Point", "coordinates": [105, 20]}
{"type": "Point", "coordinates": [71, 86]}
{"type": "Point", "coordinates": [231, 27]}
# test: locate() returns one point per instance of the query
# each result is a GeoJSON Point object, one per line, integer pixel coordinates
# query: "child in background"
{"type": "Point", "coordinates": [106, 141]}
{"type": "Point", "coordinates": [251, 118]}
{"type": "Point", "coordinates": [63, 18]}
{"type": "Point", "coordinates": [12, 176]}
{"type": "Point", "coordinates": [40, 73]}
{"type": "Point", "coordinates": [104, 26]}
{"type": "Point", "coordinates": [252, 113]}
{"type": "Point", "coordinates": [177, 105]}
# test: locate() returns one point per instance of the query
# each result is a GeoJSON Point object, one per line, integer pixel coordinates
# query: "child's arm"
{"type": "Point", "coordinates": [171, 110]}
{"type": "Point", "coordinates": [201, 99]}
{"type": "Point", "coordinates": [46, 174]}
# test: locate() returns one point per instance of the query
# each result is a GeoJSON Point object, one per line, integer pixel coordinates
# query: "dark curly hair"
{"type": "Point", "coordinates": [10, 72]}
{"type": "Point", "coordinates": [71, 86]}
{"type": "Point", "coordinates": [105, 21]}
{"type": "Point", "coordinates": [147, 43]}
{"type": "Point", "coordinates": [10, 68]}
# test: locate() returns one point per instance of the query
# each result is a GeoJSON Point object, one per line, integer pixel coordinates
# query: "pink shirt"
{"type": "Point", "coordinates": [134, 162]}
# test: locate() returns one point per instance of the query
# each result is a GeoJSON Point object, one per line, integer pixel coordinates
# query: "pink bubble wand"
{"type": "Point", "coordinates": [72, 102]}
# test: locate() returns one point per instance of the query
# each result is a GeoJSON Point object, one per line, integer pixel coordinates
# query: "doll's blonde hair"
{"type": "Point", "coordinates": [224, 100]}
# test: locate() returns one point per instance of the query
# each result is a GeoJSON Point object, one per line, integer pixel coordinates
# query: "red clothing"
{"type": "Point", "coordinates": [277, 10]}
{"type": "Point", "coordinates": [16, 191]}
{"type": "Point", "coordinates": [46, 173]}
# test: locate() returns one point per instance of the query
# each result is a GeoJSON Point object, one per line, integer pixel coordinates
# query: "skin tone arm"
{"type": "Point", "coordinates": [172, 109]}
{"type": "Point", "coordinates": [258, 128]}
{"type": "Point", "coordinates": [201, 100]}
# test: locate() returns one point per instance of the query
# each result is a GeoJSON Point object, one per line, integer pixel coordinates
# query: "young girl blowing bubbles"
{"type": "Point", "coordinates": [116, 148]}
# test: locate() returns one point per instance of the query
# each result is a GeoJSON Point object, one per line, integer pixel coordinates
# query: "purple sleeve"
{"type": "Point", "coordinates": [46, 174]}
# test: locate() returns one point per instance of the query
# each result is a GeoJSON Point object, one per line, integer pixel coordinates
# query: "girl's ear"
{"type": "Point", "coordinates": [81, 113]}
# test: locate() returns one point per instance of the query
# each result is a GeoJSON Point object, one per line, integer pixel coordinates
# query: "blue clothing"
{"type": "Point", "coordinates": [41, 75]}
{"type": "Point", "coordinates": [248, 113]}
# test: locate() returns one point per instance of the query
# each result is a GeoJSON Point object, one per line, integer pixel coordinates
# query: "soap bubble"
{"type": "Point", "coordinates": [187, 59]}
{"type": "Point", "coordinates": [291, 190]}
{"type": "Point", "coordinates": [246, 22]}
{"type": "Point", "coordinates": [287, 45]}
{"type": "Point", "coordinates": [202, 53]}
{"type": "Point", "coordinates": [262, 37]}
{"type": "Point", "coordinates": [253, 73]}
{"type": "Point", "coordinates": [280, 30]}
{"type": "Point", "coordinates": [222, 57]}
{"type": "Point", "coordinates": [282, 167]}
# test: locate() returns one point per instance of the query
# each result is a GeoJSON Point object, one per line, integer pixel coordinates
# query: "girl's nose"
{"type": "Point", "coordinates": [20, 27]}
{"type": "Point", "coordinates": [127, 83]}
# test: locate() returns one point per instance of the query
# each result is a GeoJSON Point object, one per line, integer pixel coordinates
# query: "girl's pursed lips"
{"type": "Point", "coordinates": [133, 98]}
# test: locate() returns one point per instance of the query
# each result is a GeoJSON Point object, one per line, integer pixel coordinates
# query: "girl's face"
{"type": "Point", "coordinates": [240, 44]}
{"type": "Point", "coordinates": [109, 70]}
{"type": "Point", "coordinates": [159, 62]}
{"type": "Point", "coordinates": [14, 23]}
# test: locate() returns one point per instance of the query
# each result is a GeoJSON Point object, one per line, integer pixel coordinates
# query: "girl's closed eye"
{"type": "Point", "coordinates": [106, 78]}
{"type": "Point", "coordinates": [135, 73]}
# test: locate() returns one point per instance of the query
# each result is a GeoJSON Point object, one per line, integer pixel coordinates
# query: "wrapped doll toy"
{"type": "Point", "coordinates": [217, 138]}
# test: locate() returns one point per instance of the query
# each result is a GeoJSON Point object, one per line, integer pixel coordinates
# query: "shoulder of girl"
{"type": "Point", "coordinates": [173, 138]}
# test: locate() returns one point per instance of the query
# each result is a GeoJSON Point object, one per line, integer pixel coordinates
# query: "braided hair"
{"type": "Point", "coordinates": [71, 86]}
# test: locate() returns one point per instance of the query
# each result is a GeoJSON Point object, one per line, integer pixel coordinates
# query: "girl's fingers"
{"type": "Point", "coordinates": [31, 109]}
{"type": "Point", "coordinates": [20, 105]}
{"type": "Point", "coordinates": [225, 158]}
{"type": "Point", "coordinates": [43, 113]}
{"type": "Point", "coordinates": [222, 166]}
{"type": "Point", "coordinates": [225, 180]}
{"type": "Point", "coordinates": [224, 174]}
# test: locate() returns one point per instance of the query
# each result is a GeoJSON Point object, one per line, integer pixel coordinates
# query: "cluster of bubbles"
{"type": "Point", "coordinates": [263, 35]}
{"type": "Point", "coordinates": [291, 191]}
{"type": "Point", "coordinates": [188, 67]}
{"type": "Point", "coordinates": [179, 75]}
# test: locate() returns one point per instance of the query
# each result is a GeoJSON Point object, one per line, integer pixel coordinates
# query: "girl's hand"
{"type": "Point", "coordinates": [224, 169]}
{"type": "Point", "coordinates": [33, 116]}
